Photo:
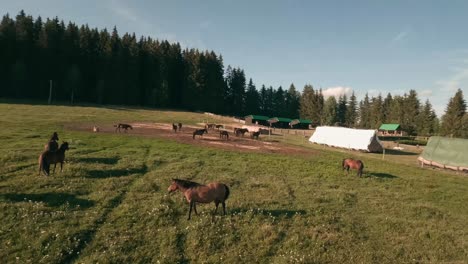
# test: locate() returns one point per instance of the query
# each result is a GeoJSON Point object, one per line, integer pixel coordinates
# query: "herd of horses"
{"type": "Point", "coordinates": [194, 192]}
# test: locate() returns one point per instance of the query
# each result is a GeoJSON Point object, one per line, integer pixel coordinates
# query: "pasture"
{"type": "Point", "coordinates": [110, 204]}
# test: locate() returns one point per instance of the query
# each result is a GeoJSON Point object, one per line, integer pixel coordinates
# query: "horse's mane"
{"type": "Point", "coordinates": [186, 184]}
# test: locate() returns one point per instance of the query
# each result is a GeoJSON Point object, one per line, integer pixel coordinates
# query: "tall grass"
{"type": "Point", "coordinates": [111, 203]}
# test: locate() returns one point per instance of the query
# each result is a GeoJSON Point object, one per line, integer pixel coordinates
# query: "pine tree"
{"type": "Point", "coordinates": [252, 99]}
{"type": "Point", "coordinates": [341, 110]}
{"type": "Point", "coordinates": [364, 113]}
{"type": "Point", "coordinates": [306, 103]}
{"type": "Point", "coordinates": [330, 112]}
{"type": "Point", "coordinates": [292, 102]}
{"type": "Point", "coordinates": [351, 111]}
{"type": "Point", "coordinates": [454, 118]}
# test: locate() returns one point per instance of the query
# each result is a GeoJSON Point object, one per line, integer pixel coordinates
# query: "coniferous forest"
{"type": "Point", "coordinates": [98, 66]}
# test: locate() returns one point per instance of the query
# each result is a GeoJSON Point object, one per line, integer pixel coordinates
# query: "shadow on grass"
{"type": "Point", "coordinates": [50, 199]}
{"type": "Point", "coordinates": [274, 212]}
{"type": "Point", "coordinates": [381, 175]}
{"type": "Point", "coordinates": [108, 161]}
{"type": "Point", "coordinates": [103, 174]}
{"type": "Point", "coordinates": [399, 152]}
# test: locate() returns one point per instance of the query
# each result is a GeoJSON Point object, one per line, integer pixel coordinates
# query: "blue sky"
{"type": "Point", "coordinates": [340, 46]}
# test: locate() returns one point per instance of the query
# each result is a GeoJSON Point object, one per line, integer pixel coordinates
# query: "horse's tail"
{"type": "Point", "coordinates": [226, 195]}
{"type": "Point", "coordinates": [362, 167]}
{"type": "Point", "coordinates": [42, 164]}
{"type": "Point", "coordinates": [343, 163]}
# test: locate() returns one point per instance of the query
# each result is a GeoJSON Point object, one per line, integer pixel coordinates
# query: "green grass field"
{"type": "Point", "coordinates": [110, 204]}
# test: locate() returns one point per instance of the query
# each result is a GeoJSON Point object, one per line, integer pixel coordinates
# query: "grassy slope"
{"type": "Point", "coordinates": [110, 204]}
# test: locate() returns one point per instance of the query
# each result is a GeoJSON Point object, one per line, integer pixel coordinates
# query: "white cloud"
{"type": "Point", "coordinates": [426, 93]}
{"type": "Point", "coordinates": [452, 83]}
{"type": "Point", "coordinates": [337, 91]}
{"type": "Point", "coordinates": [123, 12]}
{"type": "Point", "coordinates": [400, 36]}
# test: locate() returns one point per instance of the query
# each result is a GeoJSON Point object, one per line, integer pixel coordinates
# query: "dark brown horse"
{"type": "Point", "coordinates": [200, 132]}
{"type": "Point", "coordinates": [219, 126]}
{"type": "Point", "coordinates": [52, 145]}
{"type": "Point", "coordinates": [198, 193]}
{"type": "Point", "coordinates": [48, 158]}
{"type": "Point", "coordinates": [240, 131]}
{"type": "Point", "coordinates": [255, 134]}
{"type": "Point", "coordinates": [174, 127]}
{"type": "Point", "coordinates": [353, 164]}
{"type": "Point", "coordinates": [180, 126]}
{"type": "Point", "coordinates": [224, 134]}
{"type": "Point", "coordinates": [123, 126]}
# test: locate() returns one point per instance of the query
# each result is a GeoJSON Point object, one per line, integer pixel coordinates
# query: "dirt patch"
{"type": "Point", "coordinates": [211, 139]}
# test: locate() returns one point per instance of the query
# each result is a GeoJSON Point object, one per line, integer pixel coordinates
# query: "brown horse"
{"type": "Point", "coordinates": [198, 193]}
{"type": "Point", "coordinates": [240, 131]}
{"type": "Point", "coordinates": [180, 126]}
{"type": "Point", "coordinates": [123, 126]}
{"type": "Point", "coordinates": [200, 132]}
{"type": "Point", "coordinates": [353, 164]}
{"type": "Point", "coordinates": [174, 127]}
{"type": "Point", "coordinates": [255, 134]}
{"type": "Point", "coordinates": [48, 158]}
{"type": "Point", "coordinates": [52, 145]}
{"type": "Point", "coordinates": [224, 134]}
{"type": "Point", "coordinates": [219, 126]}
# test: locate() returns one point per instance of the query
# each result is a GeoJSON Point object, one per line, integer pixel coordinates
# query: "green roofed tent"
{"type": "Point", "coordinates": [280, 122]}
{"type": "Point", "coordinates": [450, 153]}
{"type": "Point", "coordinates": [257, 119]}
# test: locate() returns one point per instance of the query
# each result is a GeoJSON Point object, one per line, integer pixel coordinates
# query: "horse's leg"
{"type": "Point", "coordinates": [190, 211]}
{"type": "Point", "coordinates": [224, 208]}
{"type": "Point", "coordinates": [61, 166]}
{"type": "Point", "coordinates": [195, 208]}
{"type": "Point", "coordinates": [55, 165]}
{"type": "Point", "coordinates": [216, 203]}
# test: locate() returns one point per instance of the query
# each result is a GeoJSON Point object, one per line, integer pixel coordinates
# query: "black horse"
{"type": "Point", "coordinates": [224, 134]}
{"type": "Point", "coordinates": [255, 135]}
{"type": "Point", "coordinates": [180, 126]}
{"type": "Point", "coordinates": [200, 132]}
{"type": "Point", "coordinates": [174, 127]}
{"type": "Point", "coordinates": [122, 126]}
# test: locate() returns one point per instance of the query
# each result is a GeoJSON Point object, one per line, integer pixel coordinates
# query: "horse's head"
{"type": "Point", "coordinates": [64, 146]}
{"type": "Point", "coordinates": [173, 187]}
{"type": "Point", "coordinates": [206, 131]}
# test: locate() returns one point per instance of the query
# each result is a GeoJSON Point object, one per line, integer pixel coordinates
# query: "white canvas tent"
{"type": "Point", "coordinates": [356, 139]}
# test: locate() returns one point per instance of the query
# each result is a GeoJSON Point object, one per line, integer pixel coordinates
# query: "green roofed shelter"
{"type": "Point", "coordinates": [443, 152]}
{"type": "Point", "coordinates": [390, 130]}
{"type": "Point", "coordinates": [257, 119]}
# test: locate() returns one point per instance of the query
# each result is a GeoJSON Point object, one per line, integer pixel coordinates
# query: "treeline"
{"type": "Point", "coordinates": [88, 65]}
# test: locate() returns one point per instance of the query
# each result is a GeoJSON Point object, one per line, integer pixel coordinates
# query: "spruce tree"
{"type": "Point", "coordinates": [454, 118]}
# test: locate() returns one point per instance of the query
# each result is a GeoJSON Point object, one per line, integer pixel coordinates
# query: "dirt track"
{"type": "Point", "coordinates": [212, 139]}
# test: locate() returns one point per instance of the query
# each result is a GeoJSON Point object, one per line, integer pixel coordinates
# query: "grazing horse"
{"type": "Point", "coordinates": [174, 127]}
{"type": "Point", "coordinates": [198, 193]}
{"type": "Point", "coordinates": [210, 126]}
{"type": "Point", "coordinates": [240, 131]}
{"type": "Point", "coordinates": [255, 134]}
{"type": "Point", "coordinates": [123, 126]}
{"type": "Point", "coordinates": [48, 158]}
{"type": "Point", "coordinates": [219, 126]}
{"type": "Point", "coordinates": [200, 132]}
{"type": "Point", "coordinates": [353, 164]}
{"type": "Point", "coordinates": [52, 145]}
{"type": "Point", "coordinates": [180, 126]}
{"type": "Point", "coordinates": [224, 134]}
